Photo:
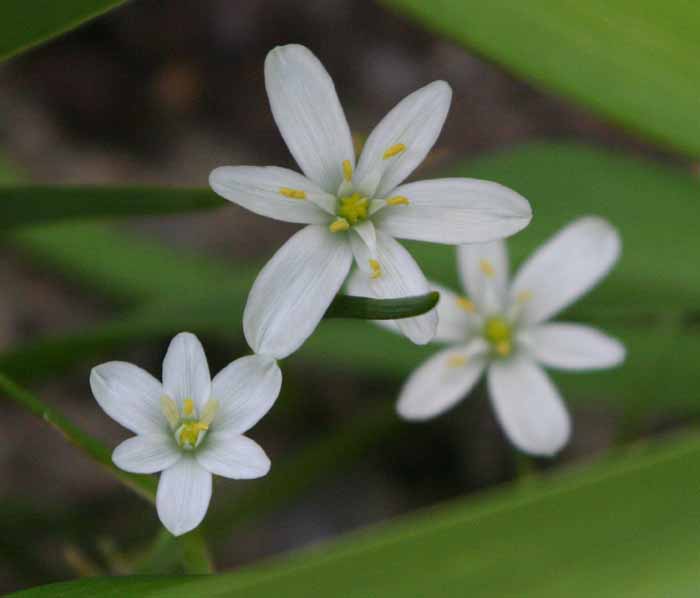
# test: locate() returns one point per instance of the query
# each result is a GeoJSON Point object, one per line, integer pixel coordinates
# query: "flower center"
{"type": "Point", "coordinates": [499, 333]}
{"type": "Point", "coordinates": [354, 208]}
{"type": "Point", "coordinates": [188, 427]}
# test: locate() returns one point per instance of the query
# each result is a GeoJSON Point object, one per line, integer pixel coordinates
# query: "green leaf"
{"type": "Point", "coordinates": [624, 527]}
{"type": "Point", "coordinates": [25, 205]}
{"type": "Point", "coordinates": [27, 23]}
{"type": "Point", "coordinates": [655, 277]}
{"type": "Point", "coordinates": [363, 308]}
{"type": "Point", "coordinates": [145, 486]}
{"type": "Point", "coordinates": [631, 60]}
{"type": "Point", "coordinates": [647, 300]}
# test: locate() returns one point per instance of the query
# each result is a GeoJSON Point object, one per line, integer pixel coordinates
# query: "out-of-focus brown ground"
{"type": "Point", "coordinates": [162, 93]}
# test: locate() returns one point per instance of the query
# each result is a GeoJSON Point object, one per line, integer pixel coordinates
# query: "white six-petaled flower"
{"type": "Point", "coordinates": [502, 328]}
{"type": "Point", "coordinates": [353, 210]}
{"type": "Point", "coordinates": [190, 426]}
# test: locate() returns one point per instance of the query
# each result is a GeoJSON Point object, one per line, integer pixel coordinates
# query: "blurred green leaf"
{"type": "Point", "coordinates": [27, 23]}
{"type": "Point", "coordinates": [631, 60]}
{"type": "Point", "coordinates": [647, 299]}
{"type": "Point", "coordinates": [624, 527]}
{"type": "Point", "coordinates": [655, 208]}
{"type": "Point", "coordinates": [25, 205]}
{"type": "Point", "coordinates": [145, 486]}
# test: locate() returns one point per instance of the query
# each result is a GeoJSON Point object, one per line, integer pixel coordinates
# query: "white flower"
{"type": "Point", "coordinates": [190, 426]}
{"type": "Point", "coordinates": [352, 210]}
{"type": "Point", "coordinates": [503, 329]}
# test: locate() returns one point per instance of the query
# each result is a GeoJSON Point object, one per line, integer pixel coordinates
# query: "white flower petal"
{"type": "Point", "coordinates": [129, 395]}
{"type": "Point", "coordinates": [415, 123]}
{"type": "Point", "coordinates": [574, 347]}
{"type": "Point", "coordinates": [455, 323]}
{"type": "Point", "coordinates": [528, 406]}
{"type": "Point", "coordinates": [233, 456]}
{"type": "Point", "coordinates": [441, 382]}
{"type": "Point", "coordinates": [483, 268]}
{"type": "Point", "coordinates": [146, 454]}
{"type": "Point", "coordinates": [399, 276]}
{"type": "Point", "coordinates": [566, 267]}
{"type": "Point", "coordinates": [184, 492]}
{"type": "Point", "coordinates": [307, 111]}
{"type": "Point", "coordinates": [455, 211]}
{"type": "Point", "coordinates": [186, 371]}
{"type": "Point", "coordinates": [294, 289]}
{"type": "Point", "coordinates": [245, 391]}
{"type": "Point", "coordinates": [363, 240]}
{"type": "Point", "coordinates": [269, 191]}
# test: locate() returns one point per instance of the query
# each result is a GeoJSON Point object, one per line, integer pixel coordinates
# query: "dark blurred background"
{"type": "Point", "coordinates": [162, 92]}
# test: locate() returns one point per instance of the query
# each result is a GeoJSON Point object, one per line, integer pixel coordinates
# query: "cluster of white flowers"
{"type": "Point", "coordinates": [190, 426]}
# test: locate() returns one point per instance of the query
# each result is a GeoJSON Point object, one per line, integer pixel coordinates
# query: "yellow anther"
{"type": "Point", "coordinates": [399, 200]}
{"type": "Point", "coordinates": [487, 268]}
{"type": "Point", "coordinates": [524, 296]}
{"type": "Point", "coordinates": [456, 361]}
{"type": "Point", "coordinates": [339, 225]}
{"type": "Point", "coordinates": [466, 304]}
{"type": "Point", "coordinates": [353, 208]}
{"type": "Point", "coordinates": [376, 268]}
{"type": "Point", "coordinates": [189, 433]}
{"type": "Point", "coordinates": [503, 348]}
{"type": "Point", "coordinates": [169, 409]}
{"type": "Point", "coordinates": [293, 193]}
{"type": "Point", "coordinates": [393, 150]}
{"type": "Point", "coordinates": [347, 170]}
{"type": "Point", "coordinates": [188, 407]}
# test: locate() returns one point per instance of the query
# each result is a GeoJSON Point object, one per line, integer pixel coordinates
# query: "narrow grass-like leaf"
{"type": "Point", "coordinates": [631, 60]}
{"type": "Point", "coordinates": [25, 205]}
{"type": "Point", "coordinates": [364, 308]}
{"type": "Point", "coordinates": [577, 535]}
{"type": "Point", "coordinates": [145, 486]}
{"type": "Point", "coordinates": [26, 23]}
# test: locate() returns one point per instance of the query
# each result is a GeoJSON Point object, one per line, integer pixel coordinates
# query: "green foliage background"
{"type": "Point", "coordinates": [623, 526]}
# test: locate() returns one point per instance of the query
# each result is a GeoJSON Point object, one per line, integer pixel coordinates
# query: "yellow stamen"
{"type": "Point", "coordinates": [487, 268]}
{"type": "Point", "coordinates": [399, 200]}
{"type": "Point", "coordinates": [456, 361]}
{"type": "Point", "coordinates": [189, 433]}
{"type": "Point", "coordinates": [524, 296]}
{"type": "Point", "coordinates": [503, 348]}
{"type": "Point", "coordinates": [376, 268]}
{"type": "Point", "coordinates": [498, 332]}
{"type": "Point", "coordinates": [339, 225]}
{"type": "Point", "coordinates": [466, 304]}
{"type": "Point", "coordinates": [393, 150]}
{"type": "Point", "coordinates": [347, 170]}
{"type": "Point", "coordinates": [169, 409]}
{"type": "Point", "coordinates": [293, 193]}
{"type": "Point", "coordinates": [188, 407]}
{"type": "Point", "coordinates": [354, 208]}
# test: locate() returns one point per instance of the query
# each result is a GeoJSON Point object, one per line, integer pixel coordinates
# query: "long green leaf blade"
{"type": "Point", "coordinates": [22, 205]}
{"type": "Point", "coordinates": [631, 60]}
{"type": "Point", "coordinates": [622, 528]}
{"type": "Point", "coordinates": [26, 23]}
{"type": "Point", "coordinates": [145, 486]}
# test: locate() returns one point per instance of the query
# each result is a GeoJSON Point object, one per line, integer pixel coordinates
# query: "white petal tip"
{"type": "Point", "coordinates": [415, 412]}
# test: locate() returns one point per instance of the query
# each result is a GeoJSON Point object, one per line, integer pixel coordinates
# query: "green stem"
{"type": "Point", "coordinates": [364, 308]}
{"type": "Point", "coordinates": [195, 555]}
{"type": "Point", "coordinates": [144, 486]}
